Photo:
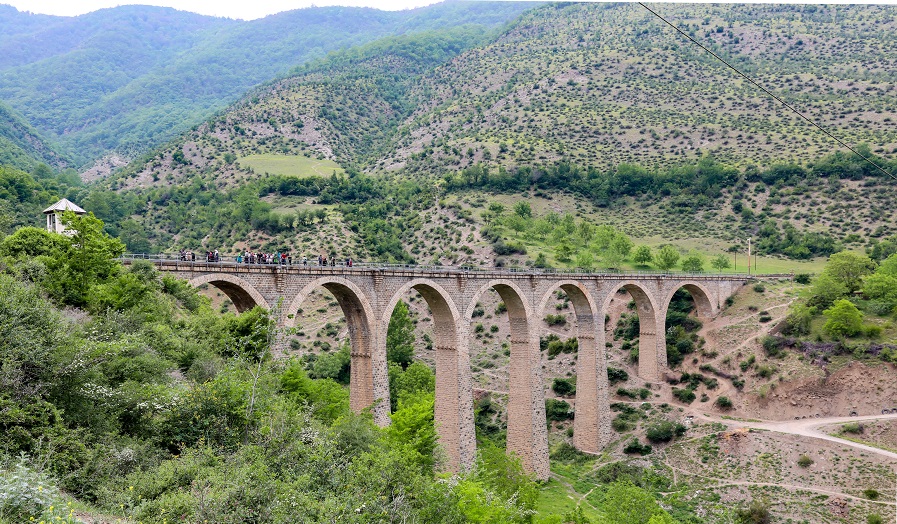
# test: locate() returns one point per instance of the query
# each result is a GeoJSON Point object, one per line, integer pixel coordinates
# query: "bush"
{"type": "Point", "coordinates": [853, 427]}
{"type": "Point", "coordinates": [564, 452]}
{"type": "Point", "coordinates": [724, 403]}
{"type": "Point", "coordinates": [634, 446]}
{"type": "Point", "coordinates": [773, 346]}
{"type": "Point", "coordinates": [802, 278]}
{"type": "Point", "coordinates": [664, 431]}
{"type": "Point", "coordinates": [621, 424]}
{"type": "Point", "coordinates": [756, 513]}
{"type": "Point", "coordinates": [24, 493]}
{"type": "Point", "coordinates": [766, 371]}
{"type": "Point", "coordinates": [804, 461]}
{"type": "Point", "coordinates": [555, 320]}
{"type": "Point", "coordinates": [684, 395]}
{"type": "Point", "coordinates": [557, 410]}
{"type": "Point", "coordinates": [615, 375]}
{"type": "Point", "coordinates": [871, 494]}
{"type": "Point", "coordinates": [874, 519]}
{"type": "Point", "coordinates": [563, 387]}
{"type": "Point", "coordinates": [759, 288]}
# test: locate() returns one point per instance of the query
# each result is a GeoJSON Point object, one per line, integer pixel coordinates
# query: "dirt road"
{"type": "Point", "coordinates": [807, 428]}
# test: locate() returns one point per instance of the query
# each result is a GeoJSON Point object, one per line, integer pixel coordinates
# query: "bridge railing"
{"type": "Point", "coordinates": [231, 261]}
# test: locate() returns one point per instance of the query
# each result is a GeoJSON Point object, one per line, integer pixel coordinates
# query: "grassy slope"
{"type": "Point", "coordinates": [292, 165]}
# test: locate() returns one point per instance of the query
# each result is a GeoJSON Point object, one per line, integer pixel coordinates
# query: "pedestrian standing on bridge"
{"type": "Point", "coordinates": [333, 260]}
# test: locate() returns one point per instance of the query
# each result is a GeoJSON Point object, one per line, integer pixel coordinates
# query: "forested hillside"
{"type": "Point", "coordinates": [459, 113]}
{"type": "Point", "coordinates": [22, 146]}
{"type": "Point", "coordinates": [126, 79]}
{"type": "Point", "coordinates": [601, 85]}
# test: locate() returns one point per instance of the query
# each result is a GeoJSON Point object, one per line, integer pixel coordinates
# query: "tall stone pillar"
{"type": "Point", "coordinates": [591, 424]}
{"type": "Point", "coordinates": [454, 408]}
{"type": "Point", "coordinates": [527, 426]}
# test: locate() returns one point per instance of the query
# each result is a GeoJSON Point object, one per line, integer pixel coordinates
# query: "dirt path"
{"type": "Point", "coordinates": [807, 428]}
{"type": "Point", "coordinates": [730, 482]}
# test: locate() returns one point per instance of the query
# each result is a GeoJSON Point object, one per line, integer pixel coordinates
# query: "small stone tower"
{"type": "Point", "coordinates": [54, 215]}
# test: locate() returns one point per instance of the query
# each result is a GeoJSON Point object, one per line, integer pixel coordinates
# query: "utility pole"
{"type": "Point", "coordinates": [749, 255]}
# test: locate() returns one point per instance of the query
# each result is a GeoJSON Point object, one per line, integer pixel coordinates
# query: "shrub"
{"type": "Point", "coordinates": [623, 392]}
{"type": "Point", "coordinates": [802, 278]}
{"type": "Point", "coordinates": [563, 387]}
{"type": "Point", "coordinates": [684, 395]}
{"type": "Point", "coordinates": [756, 513]}
{"type": "Point", "coordinates": [766, 371]}
{"type": "Point", "coordinates": [24, 493]}
{"type": "Point", "coordinates": [772, 346]}
{"type": "Point", "coordinates": [564, 452]}
{"type": "Point", "coordinates": [634, 446]}
{"type": "Point", "coordinates": [621, 424]}
{"type": "Point", "coordinates": [871, 494]}
{"type": "Point", "coordinates": [555, 320]}
{"type": "Point", "coordinates": [874, 519]}
{"type": "Point", "coordinates": [664, 431]}
{"type": "Point", "coordinates": [724, 403]}
{"type": "Point", "coordinates": [557, 410]}
{"type": "Point", "coordinates": [615, 375]}
{"type": "Point", "coordinates": [804, 461]}
{"type": "Point", "coordinates": [852, 427]}
{"type": "Point", "coordinates": [759, 288]}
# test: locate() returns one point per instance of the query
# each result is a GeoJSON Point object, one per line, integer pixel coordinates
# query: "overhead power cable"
{"type": "Point", "coordinates": [768, 92]}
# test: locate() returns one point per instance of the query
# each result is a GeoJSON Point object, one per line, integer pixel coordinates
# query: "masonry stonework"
{"type": "Point", "coordinates": [368, 295]}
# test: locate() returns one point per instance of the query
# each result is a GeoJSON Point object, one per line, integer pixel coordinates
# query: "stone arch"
{"type": "Point", "coordinates": [591, 421]}
{"type": "Point", "coordinates": [240, 292]}
{"type": "Point", "coordinates": [454, 390]}
{"type": "Point", "coordinates": [527, 431]}
{"type": "Point", "coordinates": [706, 307]}
{"type": "Point", "coordinates": [369, 382]}
{"type": "Point", "coordinates": [652, 340]}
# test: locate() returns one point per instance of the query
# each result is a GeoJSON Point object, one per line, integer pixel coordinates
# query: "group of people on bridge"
{"type": "Point", "coordinates": [283, 259]}
{"type": "Point", "coordinates": [277, 258]}
{"type": "Point", "coordinates": [190, 256]}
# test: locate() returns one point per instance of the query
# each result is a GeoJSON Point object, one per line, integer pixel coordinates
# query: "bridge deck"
{"type": "Point", "coordinates": [410, 270]}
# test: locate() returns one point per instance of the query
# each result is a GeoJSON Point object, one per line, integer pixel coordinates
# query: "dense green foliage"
{"type": "Point", "coordinates": [848, 308]}
{"type": "Point", "coordinates": [146, 405]}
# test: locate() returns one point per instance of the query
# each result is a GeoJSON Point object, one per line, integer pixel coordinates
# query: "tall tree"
{"type": "Point", "coordinates": [400, 336]}
{"type": "Point", "coordinates": [667, 257]}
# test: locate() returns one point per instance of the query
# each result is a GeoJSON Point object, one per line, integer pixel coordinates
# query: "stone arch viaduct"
{"type": "Point", "coordinates": [367, 295]}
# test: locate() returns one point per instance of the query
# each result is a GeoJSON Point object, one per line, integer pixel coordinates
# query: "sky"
{"type": "Point", "coordinates": [242, 9]}
{"type": "Point", "coordinates": [252, 9]}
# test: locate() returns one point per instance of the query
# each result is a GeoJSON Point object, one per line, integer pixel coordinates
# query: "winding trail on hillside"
{"type": "Point", "coordinates": [808, 428]}
{"type": "Point", "coordinates": [729, 482]}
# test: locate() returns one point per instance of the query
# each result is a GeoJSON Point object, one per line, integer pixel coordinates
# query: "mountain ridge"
{"type": "Point", "coordinates": [126, 79]}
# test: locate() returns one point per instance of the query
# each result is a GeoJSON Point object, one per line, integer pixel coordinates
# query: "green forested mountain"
{"type": "Point", "coordinates": [598, 85]}
{"type": "Point", "coordinates": [21, 146]}
{"type": "Point", "coordinates": [127, 78]}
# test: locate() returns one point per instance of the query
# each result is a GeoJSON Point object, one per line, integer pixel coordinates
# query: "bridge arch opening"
{"type": "Point", "coordinates": [633, 317]}
{"type": "Point", "coordinates": [445, 343]}
{"type": "Point", "coordinates": [334, 332]}
{"type": "Point", "coordinates": [687, 307]}
{"type": "Point", "coordinates": [570, 352]}
{"type": "Point", "coordinates": [241, 293]}
{"type": "Point", "coordinates": [510, 337]}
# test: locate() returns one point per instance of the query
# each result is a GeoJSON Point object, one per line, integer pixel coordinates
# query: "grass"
{"type": "Point", "coordinates": [290, 165]}
{"type": "Point", "coordinates": [565, 492]}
